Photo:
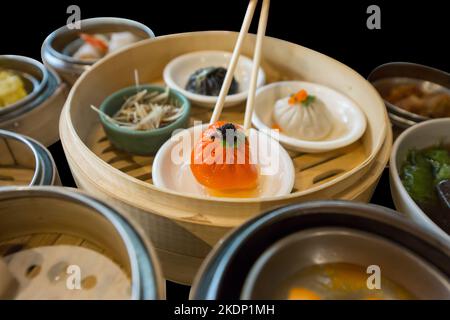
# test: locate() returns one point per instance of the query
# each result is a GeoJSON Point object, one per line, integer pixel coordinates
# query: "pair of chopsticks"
{"type": "Point", "coordinates": [234, 60]}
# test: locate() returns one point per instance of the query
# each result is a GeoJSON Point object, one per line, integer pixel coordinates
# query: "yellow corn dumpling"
{"type": "Point", "coordinates": [11, 88]}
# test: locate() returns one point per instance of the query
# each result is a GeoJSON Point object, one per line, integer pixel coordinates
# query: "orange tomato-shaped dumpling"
{"type": "Point", "coordinates": [221, 159]}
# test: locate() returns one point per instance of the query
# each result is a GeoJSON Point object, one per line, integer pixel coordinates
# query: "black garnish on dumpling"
{"type": "Point", "coordinates": [231, 128]}
{"type": "Point", "coordinates": [230, 135]}
{"type": "Point", "coordinates": [208, 81]}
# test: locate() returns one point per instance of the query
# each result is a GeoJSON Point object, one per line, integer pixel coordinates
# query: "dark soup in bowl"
{"type": "Point", "coordinates": [421, 174]}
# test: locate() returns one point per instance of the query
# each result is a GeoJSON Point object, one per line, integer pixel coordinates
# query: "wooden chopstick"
{"type": "Point", "coordinates": [262, 24]}
{"type": "Point", "coordinates": [233, 62]}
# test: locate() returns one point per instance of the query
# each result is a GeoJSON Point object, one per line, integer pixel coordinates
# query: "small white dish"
{"type": "Point", "coordinates": [420, 136]}
{"type": "Point", "coordinates": [171, 169]}
{"type": "Point", "coordinates": [349, 122]}
{"type": "Point", "coordinates": [178, 71]}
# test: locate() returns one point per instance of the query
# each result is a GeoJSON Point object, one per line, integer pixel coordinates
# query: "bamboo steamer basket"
{"type": "Point", "coordinates": [36, 116]}
{"type": "Point", "coordinates": [184, 228]}
{"type": "Point", "coordinates": [44, 230]}
{"type": "Point", "coordinates": [24, 161]}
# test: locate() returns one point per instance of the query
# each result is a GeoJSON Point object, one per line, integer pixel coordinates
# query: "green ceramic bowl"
{"type": "Point", "coordinates": [140, 142]}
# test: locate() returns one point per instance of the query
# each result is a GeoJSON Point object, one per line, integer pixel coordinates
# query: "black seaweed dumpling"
{"type": "Point", "coordinates": [208, 81]}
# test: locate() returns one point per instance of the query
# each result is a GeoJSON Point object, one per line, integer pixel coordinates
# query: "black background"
{"type": "Point", "coordinates": [411, 31]}
{"type": "Point", "coordinates": [414, 32]}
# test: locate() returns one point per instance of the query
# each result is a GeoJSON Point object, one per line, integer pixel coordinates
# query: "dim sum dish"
{"type": "Point", "coordinates": [48, 234]}
{"type": "Point", "coordinates": [421, 173]}
{"type": "Point", "coordinates": [223, 163]}
{"type": "Point", "coordinates": [221, 138]}
{"type": "Point", "coordinates": [21, 81]}
{"type": "Point", "coordinates": [338, 276]}
{"type": "Point", "coordinates": [413, 98]}
{"type": "Point", "coordinates": [70, 52]}
{"type": "Point", "coordinates": [199, 76]}
{"type": "Point", "coordinates": [413, 93]}
{"type": "Point", "coordinates": [139, 119]}
{"type": "Point", "coordinates": [12, 88]}
{"type": "Point", "coordinates": [31, 98]}
{"type": "Point", "coordinates": [420, 161]}
{"type": "Point", "coordinates": [188, 209]}
{"type": "Point", "coordinates": [326, 250]}
{"type": "Point", "coordinates": [309, 117]}
{"type": "Point", "coordinates": [208, 81]}
{"type": "Point", "coordinates": [97, 46]}
{"type": "Point", "coordinates": [303, 116]}
{"type": "Point", "coordinates": [146, 110]}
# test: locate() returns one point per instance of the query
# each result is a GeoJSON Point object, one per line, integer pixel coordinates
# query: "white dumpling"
{"type": "Point", "coordinates": [306, 120]}
{"type": "Point", "coordinates": [89, 52]}
{"type": "Point", "coordinates": [121, 39]}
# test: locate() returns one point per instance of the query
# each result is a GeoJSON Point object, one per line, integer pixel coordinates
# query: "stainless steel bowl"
{"type": "Point", "coordinates": [18, 150]}
{"type": "Point", "coordinates": [59, 44]}
{"type": "Point", "coordinates": [35, 77]}
{"type": "Point", "coordinates": [384, 77]}
{"type": "Point", "coordinates": [58, 210]}
{"type": "Point", "coordinates": [37, 114]}
{"type": "Point", "coordinates": [320, 246]}
{"type": "Point", "coordinates": [349, 232]}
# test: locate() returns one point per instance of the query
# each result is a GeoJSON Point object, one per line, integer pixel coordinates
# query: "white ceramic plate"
{"type": "Point", "coordinates": [419, 136]}
{"type": "Point", "coordinates": [177, 72]}
{"type": "Point", "coordinates": [278, 178]}
{"type": "Point", "coordinates": [349, 120]}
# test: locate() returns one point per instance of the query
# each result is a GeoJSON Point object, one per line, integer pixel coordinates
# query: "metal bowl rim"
{"type": "Point", "coordinates": [208, 287]}
{"type": "Point", "coordinates": [392, 107]}
{"type": "Point", "coordinates": [271, 251]}
{"type": "Point", "coordinates": [36, 91]}
{"type": "Point", "coordinates": [47, 46]}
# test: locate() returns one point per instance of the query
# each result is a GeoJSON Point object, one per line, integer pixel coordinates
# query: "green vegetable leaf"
{"type": "Point", "coordinates": [443, 173]}
{"type": "Point", "coordinates": [419, 182]}
{"type": "Point", "coordinates": [423, 170]}
{"type": "Point", "coordinates": [309, 100]}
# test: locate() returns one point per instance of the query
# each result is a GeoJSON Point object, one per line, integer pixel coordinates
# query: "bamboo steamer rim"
{"type": "Point", "coordinates": [40, 163]}
{"type": "Point", "coordinates": [78, 197]}
{"type": "Point", "coordinates": [68, 122]}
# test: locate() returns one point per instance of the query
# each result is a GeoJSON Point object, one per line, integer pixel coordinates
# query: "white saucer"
{"type": "Point", "coordinates": [177, 72]}
{"type": "Point", "coordinates": [349, 121]}
{"type": "Point", "coordinates": [277, 176]}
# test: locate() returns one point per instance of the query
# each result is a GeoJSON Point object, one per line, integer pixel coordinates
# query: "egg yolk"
{"type": "Point", "coordinates": [303, 294]}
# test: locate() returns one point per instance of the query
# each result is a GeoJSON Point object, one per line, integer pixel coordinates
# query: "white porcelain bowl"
{"type": "Point", "coordinates": [171, 172]}
{"type": "Point", "coordinates": [420, 136]}
{"type": "Point", "coordinates": [177, 72]}
{"type": "Point", "coordinates": [349, 121]}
